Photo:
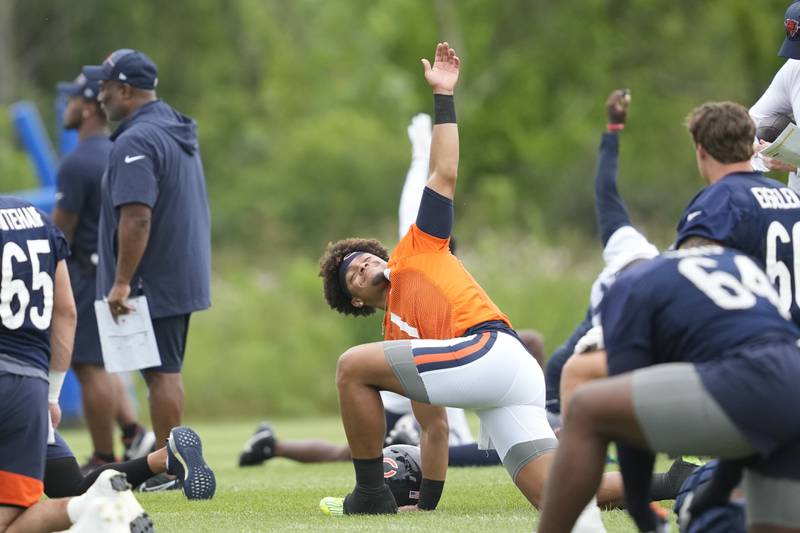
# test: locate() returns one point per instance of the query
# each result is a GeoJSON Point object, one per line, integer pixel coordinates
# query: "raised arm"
{"type": "Point", "coordinates": [442, 77]}
{"type": "Point", "coordinates": [611, 211]}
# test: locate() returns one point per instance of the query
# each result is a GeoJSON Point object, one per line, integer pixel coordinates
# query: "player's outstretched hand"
{"type": "Point", "coordinates": [443, 75]}
{"type": "Point", "coordinates": [617, 106]}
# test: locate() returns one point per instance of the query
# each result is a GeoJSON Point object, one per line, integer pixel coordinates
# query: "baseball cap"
{"type": "Point", "coordinates": [81, 86]}
{"type": "Point", "coordinates": [791, 22]}
{"type": "Point", "coordinates": [128, 66]}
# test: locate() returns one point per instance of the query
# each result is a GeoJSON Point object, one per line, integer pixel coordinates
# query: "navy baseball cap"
{"type": "Point", "coordinates": [81, 86]}
{"type": "Point", "coordinates": [128, 66]}
{"type": "Point", "coordinates": [791, 22]}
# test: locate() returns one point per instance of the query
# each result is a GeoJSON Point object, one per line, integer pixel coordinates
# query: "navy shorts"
{"type": "Point", "coordinates": [757, 387]}
{"type": "Point", "coordinates": [23, 439]}
{"type": "Point", "coordinates": [59, 449]}
{"type": "Point", "coordinates": [171, 332]}
{"type": "Point", "coordinates": [87, 340]}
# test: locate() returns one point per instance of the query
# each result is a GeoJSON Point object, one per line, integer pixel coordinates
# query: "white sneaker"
{"type": "Point", "coordinates": [590, 520]}
{"type": "Point", "coordinates": [112, 515]}
{"type": "Point", "coordinates": [109, 500]}
{"type": "Point", "coordinates": [141, 445]}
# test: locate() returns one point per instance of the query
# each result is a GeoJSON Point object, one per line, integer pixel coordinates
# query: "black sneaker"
{"type": "Point", "coordinates": [159, 483]}
{"type": "Point", "coordinates": [92, 463]}
{"type": "Point", "coordinates": [259, 447]}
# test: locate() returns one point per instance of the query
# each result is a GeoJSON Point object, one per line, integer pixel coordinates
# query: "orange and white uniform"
{"type": "Point", "coordinates": [450, 345]}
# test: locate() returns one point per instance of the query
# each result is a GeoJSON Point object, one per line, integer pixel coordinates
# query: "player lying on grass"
{"type": "Point", "coordinates": [703, 360]}
{"type": "Point", "coordinates": [264, 445]}
{"type": "Point", "coordinates": [181, 457]}
{"type": "Point", "coordinates": [446, 342]}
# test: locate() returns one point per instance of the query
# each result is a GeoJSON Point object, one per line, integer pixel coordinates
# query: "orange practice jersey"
{"type": "Point", "coordinates": [431, 294]}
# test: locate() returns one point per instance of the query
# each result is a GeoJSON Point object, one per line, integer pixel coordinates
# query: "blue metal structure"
{"type": "Point", "coordinates": [33, 136]}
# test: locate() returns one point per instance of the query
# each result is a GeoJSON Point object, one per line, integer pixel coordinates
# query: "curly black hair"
{"type": "Point", "coordinates": [329, 272]}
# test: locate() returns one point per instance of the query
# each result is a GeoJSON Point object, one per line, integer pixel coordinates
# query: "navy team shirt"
{"type": "Point", "coordinates": [156, 161]}
{"type": "Point", "coordinates": [30, 248]}
{"type": "Point", "coordinates": [756, 215]}
{"type": "Point", "coordinates": [79, 177]}
{"type": "Point", "coordinates": [690, 305]}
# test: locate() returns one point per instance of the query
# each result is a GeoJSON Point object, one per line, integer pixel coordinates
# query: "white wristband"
{"type": "Point", "coordinates": [56, 382]}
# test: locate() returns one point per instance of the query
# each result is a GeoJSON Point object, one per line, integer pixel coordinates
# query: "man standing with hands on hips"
{"type": "Point", "coordinates": [154, 235]}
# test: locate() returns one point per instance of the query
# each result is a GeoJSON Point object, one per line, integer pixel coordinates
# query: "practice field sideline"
{"type": "Point", "coordinates": [283, 495]}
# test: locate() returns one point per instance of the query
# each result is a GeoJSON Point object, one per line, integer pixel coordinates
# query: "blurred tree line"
{"type": "Point", "coordinates": [302, 105]}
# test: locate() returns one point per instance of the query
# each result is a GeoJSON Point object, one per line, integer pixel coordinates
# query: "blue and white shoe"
{"type": "Point", "coordinates": [185, 460]}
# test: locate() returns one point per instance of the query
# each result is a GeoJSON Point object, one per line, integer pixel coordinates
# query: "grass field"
{"type": "Point", "coordinates": [283, 496]}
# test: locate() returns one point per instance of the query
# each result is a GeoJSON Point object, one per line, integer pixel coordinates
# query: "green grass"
{"type": "Point", "coordinates": [283, 496]}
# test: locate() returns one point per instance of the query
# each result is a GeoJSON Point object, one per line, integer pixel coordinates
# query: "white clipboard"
{"type": "Point", "coordinates": [130, 343]}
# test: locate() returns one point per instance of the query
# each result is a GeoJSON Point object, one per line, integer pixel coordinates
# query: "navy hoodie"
{"type": "Point", "coordinates": [156, 161]}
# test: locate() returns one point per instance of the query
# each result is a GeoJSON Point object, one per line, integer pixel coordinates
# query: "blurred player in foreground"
{"type": "Point", "coordinates": [36, 336]}
{"type": "Point", "coordinates": [703, 360]}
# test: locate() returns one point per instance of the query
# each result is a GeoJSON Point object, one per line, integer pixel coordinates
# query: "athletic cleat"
{"type": "Point", "coordinates": [332, 506]}
{"type": "Point", "coordinates": [139, 445]}
{"type": "Point", "coordinates": [695, 459]}
{"type": "Point", "coordinates": [185, 460]}
{"type": "Point", "coordinates": [113, 516]}
{"type": "Point", "coordinates": [108, 506]}
{"type": "Point", "coordinates": [589, 521]}
{"type": "Point", "coordinates": [259, 447]}
{"type": "Point", "coordinates": [159, 483]}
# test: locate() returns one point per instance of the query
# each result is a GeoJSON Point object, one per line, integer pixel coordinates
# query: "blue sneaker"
{"type": "Point", "coordinates": [185, 460]}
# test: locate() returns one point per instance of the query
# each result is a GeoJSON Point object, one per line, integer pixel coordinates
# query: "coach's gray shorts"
{"type": "Point", "coordinates": [678, 415]}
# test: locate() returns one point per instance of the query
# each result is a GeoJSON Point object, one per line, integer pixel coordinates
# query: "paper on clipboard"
{"type": "Point", "coordinates": [786, 147]}
{"type": "Point", "coordinates": [130, 343]}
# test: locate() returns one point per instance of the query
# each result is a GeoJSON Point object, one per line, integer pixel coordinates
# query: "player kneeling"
{"type": "Point", "coordinates": [702, 361]}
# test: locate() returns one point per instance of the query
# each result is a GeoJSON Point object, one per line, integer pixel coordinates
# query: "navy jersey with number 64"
{"type": "Point", "coordinates": [755, 215]}
{"type": "Point", "coordinates": [30, 248]}
{"type": "Point", "coordinates": [693, 305]}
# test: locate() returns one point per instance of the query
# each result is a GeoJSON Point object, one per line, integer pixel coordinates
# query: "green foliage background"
{"type": "Point", "coordinates": [303, 105]}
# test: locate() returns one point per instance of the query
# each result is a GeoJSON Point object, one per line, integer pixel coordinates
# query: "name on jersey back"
{"type": "Point", "coordinates": [17, 218]}
{"type": "Point", "coordinates": [782, 198]}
